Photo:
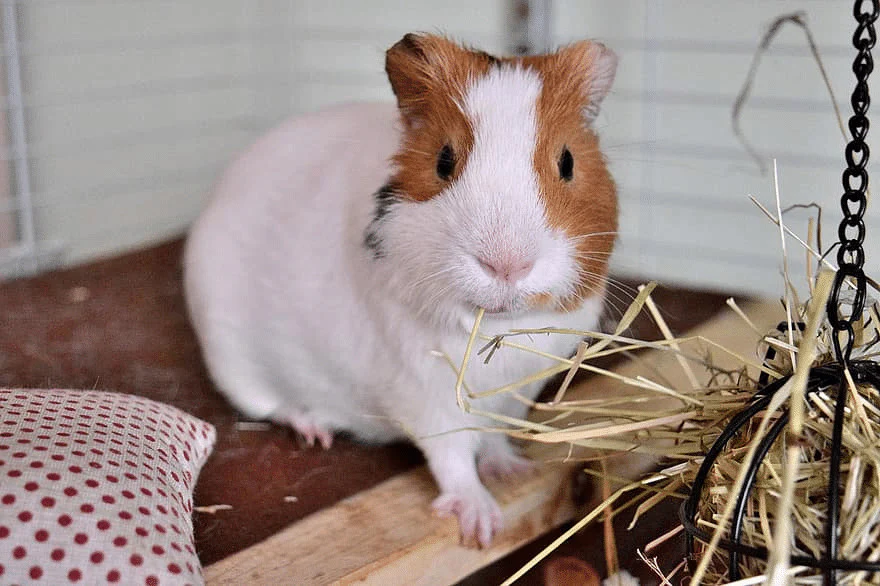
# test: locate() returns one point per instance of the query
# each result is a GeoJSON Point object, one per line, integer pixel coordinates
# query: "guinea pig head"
{"type": "Point", "coordinates": [500, 197]}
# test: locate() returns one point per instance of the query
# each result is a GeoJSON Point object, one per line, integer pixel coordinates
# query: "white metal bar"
{"type": "Point", "coordinates": [648, 127]}
{"type": "Point", "coordinates": [27, 235]}
{"type": "Point", "coordinates": [530, 27]}
{"type": "Point", "coordinates": [540, 35]}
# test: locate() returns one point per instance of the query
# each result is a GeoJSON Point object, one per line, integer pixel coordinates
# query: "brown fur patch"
{"type": "Point", "coordinates": [429, 74]}
{"type": "Point", "coordinates": [586, 206]}
{"type": "Point", "coordinates": [540, 301]}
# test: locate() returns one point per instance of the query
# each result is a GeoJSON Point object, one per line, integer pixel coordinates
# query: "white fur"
{"type": "Point", "coordinates": [298, 321]}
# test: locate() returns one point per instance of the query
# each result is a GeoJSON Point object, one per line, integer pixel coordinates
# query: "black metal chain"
{"type": "Point", "coordinates": [851, 232]}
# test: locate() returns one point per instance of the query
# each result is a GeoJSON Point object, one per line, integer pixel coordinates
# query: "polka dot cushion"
{"type": "Point", "coordinates": [96, 488]}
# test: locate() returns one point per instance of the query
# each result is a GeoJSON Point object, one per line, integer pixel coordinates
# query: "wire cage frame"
{"type": "Point", "coordinates": [21, 253]}
{"type": "Point", "coordinates": [826, 378]}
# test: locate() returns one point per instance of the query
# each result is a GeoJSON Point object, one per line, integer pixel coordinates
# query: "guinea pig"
{"type": "Point", "coordinates": [347, 251]}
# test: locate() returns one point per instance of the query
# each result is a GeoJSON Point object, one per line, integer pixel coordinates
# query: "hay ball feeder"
{"type": "Point", "coordinates": [794, 478]}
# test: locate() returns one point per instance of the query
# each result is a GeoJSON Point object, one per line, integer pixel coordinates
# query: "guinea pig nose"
{"type": "Point", "coordinates": [509, 271]}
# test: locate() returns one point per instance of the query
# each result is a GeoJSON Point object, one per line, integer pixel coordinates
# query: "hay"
{"type": "Point", "coordinates": [212, 509]}
{"type": "Point", "coordinates": [787, 510]}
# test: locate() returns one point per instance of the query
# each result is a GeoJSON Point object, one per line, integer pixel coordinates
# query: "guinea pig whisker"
{"type": "Point", "coordinates": [591, 251]}
{"type": "Point", "coordinates": [615, 312]}
{"type": "Point", "coordinates": [598, 255]}
{"type": "Point", "coordinates": [594, 251]}
{"type": "Point", "coordinates": [614, 303]}
{"type": "Point", "coordinates": [436, 294]}
{"type": "Point", "coordinates": [618, 305]}
{"type": "Point", "coordinates": [626, 145]}
{"type": "Point", "coordinates": [614, 289]}
{"type": "Point", "coordinates": [608, 280]}
{"type": "Point", "coordinates": [615, 298]}
{"type": "Point", "coordinates": [559, 304]}
{"type": "Point", "coordinates": [626, 291]}
{"type": "Point", "coordinates": [420, 152]}
{"type": "Point", "coordinates": [582, 237]}
{"type": "Point", "coordinates": [433, 300]}
{"type": "Point", "coordinates": [418, 282]}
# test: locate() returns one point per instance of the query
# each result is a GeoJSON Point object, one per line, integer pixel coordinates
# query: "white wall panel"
{"type": "Point", "coordinates": [132, 108]}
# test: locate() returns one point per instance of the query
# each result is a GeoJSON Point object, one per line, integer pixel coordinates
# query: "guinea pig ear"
{"type": "Point", "coordinates": [408, 66]}
{"type": "Point", "coordinates": [418, 63]}
{"type": "Point", "coordinates": [595, 65]}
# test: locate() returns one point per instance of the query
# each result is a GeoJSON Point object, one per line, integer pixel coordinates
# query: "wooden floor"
{"type": "Point", "coordinates": [121, 325]}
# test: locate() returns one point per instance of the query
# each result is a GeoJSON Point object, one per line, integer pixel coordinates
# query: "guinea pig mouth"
{"type": "Point", "coordinates": [508, 306]}
{"type": "Point", "coordinates": [502, 300]}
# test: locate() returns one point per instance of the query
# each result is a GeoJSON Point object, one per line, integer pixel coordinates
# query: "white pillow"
{"type": "Point", "coordinates": [96, 487]}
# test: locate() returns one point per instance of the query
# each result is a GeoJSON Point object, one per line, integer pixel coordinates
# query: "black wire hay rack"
{"type": "Point", "coordinates": [845, 310]}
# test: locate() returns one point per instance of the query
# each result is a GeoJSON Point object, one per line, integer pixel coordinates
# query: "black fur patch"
{"type": "Point", "coordinates": [386, 198]}
{"type": "Point", "coordinates": [493, 60]}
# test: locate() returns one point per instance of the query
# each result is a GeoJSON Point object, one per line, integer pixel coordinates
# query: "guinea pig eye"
{"type": "Point", "coordinates": [445, 162]}
{"type": "Point", "coordinates": [566, 165]}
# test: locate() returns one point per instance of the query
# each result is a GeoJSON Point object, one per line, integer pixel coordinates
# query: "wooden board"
{"type": "Point", "coordinates": [387, 535]}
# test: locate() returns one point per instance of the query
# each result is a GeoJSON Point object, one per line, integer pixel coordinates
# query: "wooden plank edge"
{"type": "Point", "coordinates": [388, 535]}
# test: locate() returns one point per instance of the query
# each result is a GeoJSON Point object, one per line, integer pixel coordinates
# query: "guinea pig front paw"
{"type": "Point", "coordinates": [479, 516]}
{"type": "Point", "coordinates": [305, 425]}
{"type": "Point", "coordinates": [311, 432]}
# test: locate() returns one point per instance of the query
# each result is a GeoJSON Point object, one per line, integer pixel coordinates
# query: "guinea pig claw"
{"type": "Point", "coordinates": [312, 432]}
{"type": "Point", "coordinates": [307, 428]}
{"type": "Point", "coordinates": [479, 516]}
{"type": "Point", "coordinates": [326, 438]}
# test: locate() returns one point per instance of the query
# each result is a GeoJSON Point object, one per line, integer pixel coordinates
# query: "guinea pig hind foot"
{"type": "Point", "coordinates": [305, 425]}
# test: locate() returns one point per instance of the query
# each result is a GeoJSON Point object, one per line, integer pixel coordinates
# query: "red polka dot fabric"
{"type": "Point", "coordinates": [96, 488]}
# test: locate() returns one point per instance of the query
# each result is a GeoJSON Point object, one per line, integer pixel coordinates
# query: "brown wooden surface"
{"type": "Point", "coordinates": [386, 535]}
{"type": "Point", "coordinates": [121, 325]}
